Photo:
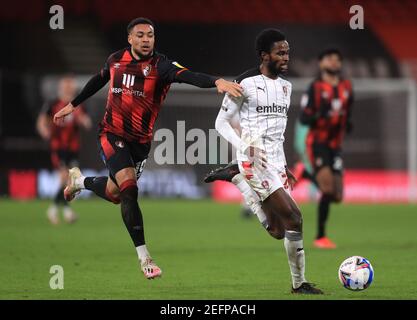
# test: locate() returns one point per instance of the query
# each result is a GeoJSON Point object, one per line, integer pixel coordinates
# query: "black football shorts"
{"type": "Point", "coordinates": [324, 156]}
{"type": "Point", "coordinates": [64, 159]}
{"type": "Point", "coordinates": [118, 154]}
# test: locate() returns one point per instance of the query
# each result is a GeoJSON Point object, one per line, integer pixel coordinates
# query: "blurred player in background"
{"type": "Point", "coordinates": [324, 119]}
{"type": "Point", "coordinates": [261, 172]}
{"type": "Point", "coordinates": [139, 79]}
{"type": "Point", "coordinates": [64, 141]}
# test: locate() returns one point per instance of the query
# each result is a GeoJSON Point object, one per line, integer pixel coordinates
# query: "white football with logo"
{"type": "Point", "coordinates": [356, 273]}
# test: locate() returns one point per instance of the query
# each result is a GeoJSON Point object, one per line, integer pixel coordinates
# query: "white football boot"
{"type": "Point", "coordinates": [72, 189]}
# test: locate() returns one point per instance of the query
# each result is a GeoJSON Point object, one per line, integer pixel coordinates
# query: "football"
{"type": "Point", "coordinates": [356, 273]}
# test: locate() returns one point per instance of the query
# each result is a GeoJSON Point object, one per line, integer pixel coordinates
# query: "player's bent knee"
{"type": "Point", "coordinates": [295, 222]}
{"type": "Point", "coordinates": [115, 198]}
{"type": "Point", "coordinates": [299, 220]}
{"type": "Point", "coordinates": [124, 175]}
{"type": "Point", "coordinates": [128, 190]}
{"type": "Point", "coordinates": [276, 234]}
{"type": "Point", "coordinates": [128, 184]}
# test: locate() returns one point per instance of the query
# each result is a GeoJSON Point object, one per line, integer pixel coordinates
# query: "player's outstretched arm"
{"type": "Point", "coordinates": [93, 85]}
{"type": "Point", "coordinates": [232, 88]}
{"type": "Point", "coordinates": [202, 80]}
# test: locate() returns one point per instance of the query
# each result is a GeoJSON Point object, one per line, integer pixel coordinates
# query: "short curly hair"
{"type": "Point", "coordinates": [266, 38]}
{"type": "Point", "coordinates": [137, 21]}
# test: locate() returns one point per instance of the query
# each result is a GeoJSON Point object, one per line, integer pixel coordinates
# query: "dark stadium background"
{"type": "Point", "coordinates": [217, 37]}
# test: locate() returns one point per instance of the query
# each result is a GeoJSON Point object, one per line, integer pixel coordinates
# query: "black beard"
{"type": "Point", "coordinates": [273, 69]}
{"type": "Point", "coordinates": [332, 72]}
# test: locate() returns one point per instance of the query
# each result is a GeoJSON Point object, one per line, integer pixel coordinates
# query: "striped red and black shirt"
{"type": "Point", "coordinates": [65, 136]}
{"type": "Point", "coordinates": [327, 110]}
{"type": "Point", "coordinates": [137, 90]}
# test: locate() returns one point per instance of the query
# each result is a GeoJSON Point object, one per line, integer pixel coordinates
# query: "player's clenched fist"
{"type": "Point", "coordinates": [61, 114]}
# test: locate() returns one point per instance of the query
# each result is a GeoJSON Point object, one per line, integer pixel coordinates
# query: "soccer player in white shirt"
{"type": "Point", "coordinates": [263, 177]}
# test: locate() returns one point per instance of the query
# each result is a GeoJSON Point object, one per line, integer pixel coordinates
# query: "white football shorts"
{"type": "Point", "coordinates": [264, 181]}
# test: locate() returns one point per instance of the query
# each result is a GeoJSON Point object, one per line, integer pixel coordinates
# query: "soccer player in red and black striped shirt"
{"type": "Point", "coordinates": [327, 109]}
{"type": "Point", "coordinates": [64, 141]}
{"type": "Point", "coordinates": [139, 79]}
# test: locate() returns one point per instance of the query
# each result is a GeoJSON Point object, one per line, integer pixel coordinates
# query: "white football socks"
{"type": "Point", "coordinates": [293, 243]}
{"type": "Point", "coordinates": [143, 253]}
{"type": "Point", "coordinates": [251, 198]}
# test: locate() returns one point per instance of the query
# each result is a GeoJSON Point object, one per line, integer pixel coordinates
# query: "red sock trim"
{"type": "Point", "coordinates": [127, 184]}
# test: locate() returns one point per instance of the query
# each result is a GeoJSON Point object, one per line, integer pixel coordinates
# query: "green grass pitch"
{"type": "Point", "coordinates": [206, 251]}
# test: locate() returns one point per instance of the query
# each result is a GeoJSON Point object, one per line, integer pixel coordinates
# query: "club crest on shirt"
{"type": "Point", "coordinates": [146, 70]}
{"type": "Point", "coordinates": [119, 143]}
{"type": "Point", "coordinates": [265, 184]}
{"type": "Point", "coordinates": [116, 65]}
{"type": "Point", "coordinates": [284, 88]}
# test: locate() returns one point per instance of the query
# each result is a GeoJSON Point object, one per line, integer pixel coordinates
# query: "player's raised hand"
{"type": "Point", "coordinates": [61, 114]}
{"type": "Point", "coordinates": [232, 88]}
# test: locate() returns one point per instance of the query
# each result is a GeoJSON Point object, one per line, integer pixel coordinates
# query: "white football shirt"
{"type": "Point", "coordinates": [262, 110]}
